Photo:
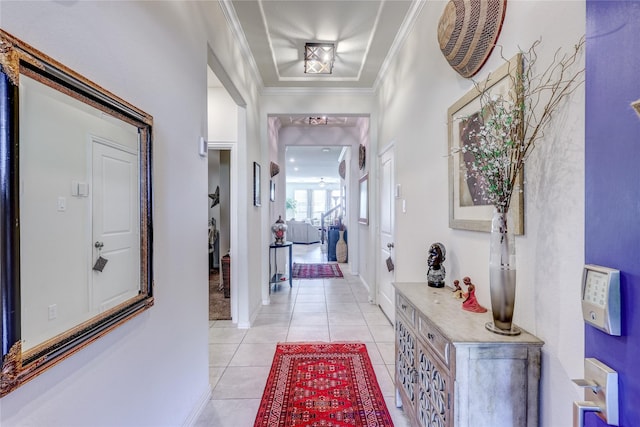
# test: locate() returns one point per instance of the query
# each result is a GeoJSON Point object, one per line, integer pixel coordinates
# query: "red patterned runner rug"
{"type": "Point", "coordinates": [316, 271]}
{"type": "Point", "coordinates": [322, 385]}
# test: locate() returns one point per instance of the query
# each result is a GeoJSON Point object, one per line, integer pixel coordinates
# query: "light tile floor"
{"type": "Point", "coordinates": [312, 310]}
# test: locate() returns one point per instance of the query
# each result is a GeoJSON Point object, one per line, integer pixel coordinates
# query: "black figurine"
{"type": "Point", "coordinates": [436, 272]}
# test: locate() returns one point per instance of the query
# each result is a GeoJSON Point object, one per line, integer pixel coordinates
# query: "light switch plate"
{"type": "Point", "coordinates": [203, 147]}
{"type": "Point", "coordinates": [62, 204]}
{"type": "Point", "coordinates": [83, 189]}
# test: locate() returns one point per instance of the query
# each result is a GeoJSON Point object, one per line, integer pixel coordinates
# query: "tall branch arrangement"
{"type": "Point", "coordinates": [510, 125]}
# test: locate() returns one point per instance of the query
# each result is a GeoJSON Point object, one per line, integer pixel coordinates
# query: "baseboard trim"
{"type": "Point", "coordinates": [199, 407]}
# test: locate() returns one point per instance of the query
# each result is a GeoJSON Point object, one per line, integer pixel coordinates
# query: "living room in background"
{"type": "Point", "coordinates": [312, 182]}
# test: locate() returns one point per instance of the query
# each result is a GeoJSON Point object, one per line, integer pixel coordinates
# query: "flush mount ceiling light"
{"type": "Point", "coordinates": [318, 121]}
{"type": "Point", "coordinates": [318, 58]}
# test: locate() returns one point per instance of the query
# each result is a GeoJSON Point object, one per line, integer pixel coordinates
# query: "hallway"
{"type": "Point", "coordinates": [312, 310]}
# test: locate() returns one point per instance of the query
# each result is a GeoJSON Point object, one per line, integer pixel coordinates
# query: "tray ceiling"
{"type": "Point", "coordinates": [365, 32]}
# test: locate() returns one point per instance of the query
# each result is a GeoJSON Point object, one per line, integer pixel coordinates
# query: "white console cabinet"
{"type": "Point", "coordinates": [451, 371]}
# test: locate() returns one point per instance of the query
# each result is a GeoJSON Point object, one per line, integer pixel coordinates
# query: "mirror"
{"type": "Point", "coordinates": [75, 211]}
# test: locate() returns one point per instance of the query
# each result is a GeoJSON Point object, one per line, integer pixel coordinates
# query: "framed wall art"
{"type": "Point", "coordinates": [272, 190]}
{"type": "Point", "coordinates": [467, 208]}
{"type": "Point", "coordinates": [363, 213]}
{"type": "Point", "coordinates": [256, 185]}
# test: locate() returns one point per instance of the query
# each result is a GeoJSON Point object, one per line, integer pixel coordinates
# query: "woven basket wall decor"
{"type": "Point", "coordinates": [342, 169]}
{"type": "Point", "coordinates": [468, 31]}
{"type": "Point", "coordinates": [274, 169]}
{"type": "Point", "coordinates": [636, 106]}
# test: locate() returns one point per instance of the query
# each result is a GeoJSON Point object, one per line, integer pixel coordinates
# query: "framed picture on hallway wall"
{"type": "Point", "coordinates": [363, 215]}
{"type": "Point", "coordinates": [272, 190]}
{"type": "Point", "coordinates": [468, 209]}
{"type": "Point", "coordinates": [256, 185]}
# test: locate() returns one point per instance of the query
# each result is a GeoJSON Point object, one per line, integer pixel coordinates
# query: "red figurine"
{"type": "Point", "coordinates": [471, 303]}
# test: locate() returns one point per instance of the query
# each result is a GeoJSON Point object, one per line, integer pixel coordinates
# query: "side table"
{"type": "Point", "coordinates": [275, 277]}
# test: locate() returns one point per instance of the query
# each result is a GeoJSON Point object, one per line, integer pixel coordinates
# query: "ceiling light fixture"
{"type": "Point", "coordinates": [318, 120]}
{"type": "Point", "coordinates": [318, 58]}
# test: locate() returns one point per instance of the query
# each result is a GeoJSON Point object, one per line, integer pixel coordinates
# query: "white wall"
{"type": "Point", "coordinates": [413, 102]}
{"type": "Point", "coordinates": [153, 370]}
{"type": "Point", "coordinates": [222, 115]}
{"type": "Point", "coordinates": [277, 207]}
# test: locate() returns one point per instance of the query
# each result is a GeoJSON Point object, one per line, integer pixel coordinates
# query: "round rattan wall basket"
{"type": "Point", "coordinates": [468, 31]}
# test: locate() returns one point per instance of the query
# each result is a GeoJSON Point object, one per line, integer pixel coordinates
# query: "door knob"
{"type": "Point", "coordinates": [390, 245]}
{"type": "Point", "coordinates": [99, 245]}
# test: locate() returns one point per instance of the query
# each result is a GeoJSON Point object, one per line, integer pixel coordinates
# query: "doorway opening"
{"type": "Point", "coordinates": [226, 121]}
{"type": "Point", "coordinates": [315, 198]}
{"type": "Point", "coordinates": [219, 184]}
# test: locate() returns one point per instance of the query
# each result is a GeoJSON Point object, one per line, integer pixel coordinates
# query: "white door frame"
{"type": "Point", "coordinates": [233, 215]}
{"type": "Point", "coordinates": [380, 262]}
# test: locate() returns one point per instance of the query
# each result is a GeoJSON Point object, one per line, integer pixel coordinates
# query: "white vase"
{"type": "Point", "coordinates": [502, 275]}
{"type": "Point", "coordinates": [341, 248]}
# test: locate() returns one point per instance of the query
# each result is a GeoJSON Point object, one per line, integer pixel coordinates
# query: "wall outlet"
{"type": "Point", "coordinates": [53, 311]}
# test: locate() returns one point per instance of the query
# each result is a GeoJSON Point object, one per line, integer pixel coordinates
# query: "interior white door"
{"type": "Point", "coordinates": [116, 224]}
{"type": "Point", "coordinates": [386, 293]}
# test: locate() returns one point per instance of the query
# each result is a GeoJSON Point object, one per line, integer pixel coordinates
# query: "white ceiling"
{"type": "Point", "coordinates": [309, 164]}
{"type": "Point", "coordinates": [366, 34]}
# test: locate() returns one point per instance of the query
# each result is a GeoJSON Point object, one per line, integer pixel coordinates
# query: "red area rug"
{"type": "Point", "coordinates": [315, 271]}
{"type": "Point", "coordinates": [322, 385]}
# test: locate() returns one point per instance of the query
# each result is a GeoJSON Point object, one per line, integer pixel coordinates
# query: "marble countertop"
{"type": "Point", "coordinates": [460, 326]}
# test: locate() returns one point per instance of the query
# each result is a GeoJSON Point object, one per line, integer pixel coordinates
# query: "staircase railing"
{"type": "Point", "coordinates": [323, 217]}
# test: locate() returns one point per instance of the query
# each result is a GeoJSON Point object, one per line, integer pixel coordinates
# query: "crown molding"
{"type": "Point", "coordinates": [236, 29]}
{"type": "Point", "coordinates": [398, 42]}
{"type": "Point", "coordinates": [315, 91]}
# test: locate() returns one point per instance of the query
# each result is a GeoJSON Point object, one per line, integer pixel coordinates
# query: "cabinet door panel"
{"type": "Point", "coordinates": [405, 361]}
{"type": "Point", "coordinates": [433, 389]}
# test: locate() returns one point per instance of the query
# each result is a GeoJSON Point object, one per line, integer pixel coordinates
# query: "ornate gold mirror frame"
{"type": "Point", "coordinates": [19, 61]}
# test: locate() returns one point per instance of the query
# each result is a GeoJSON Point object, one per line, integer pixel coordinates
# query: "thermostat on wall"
{"type": "Point", "coordinates": [601, 298]}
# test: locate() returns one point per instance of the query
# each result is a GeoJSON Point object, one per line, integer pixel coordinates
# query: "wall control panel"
{"type": "Point", "coordinates": [601, 298]}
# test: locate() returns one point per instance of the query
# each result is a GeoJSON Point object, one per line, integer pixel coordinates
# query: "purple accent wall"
{"type": "Point", "coordinates": [612, 185]}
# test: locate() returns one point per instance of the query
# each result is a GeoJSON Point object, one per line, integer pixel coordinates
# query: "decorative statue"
{"type": "Point", "coordinates": [436, 273]}
{"type": "Point", "coordinates": [471, 303]}
{"type": "Point", "coordinates": [215, 197]}
{"type": "Point", "coordinates": [279, 229]}
{"type": "Point", "coordinates": [457, 292]}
